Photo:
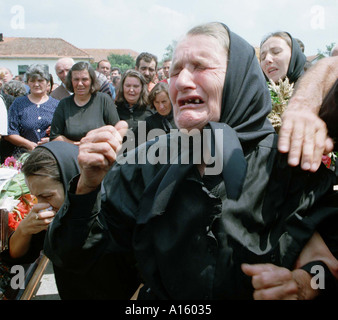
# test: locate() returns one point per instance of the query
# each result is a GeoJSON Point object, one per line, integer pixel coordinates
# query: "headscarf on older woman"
{"type": "Point", "coordinates": [189, 232]}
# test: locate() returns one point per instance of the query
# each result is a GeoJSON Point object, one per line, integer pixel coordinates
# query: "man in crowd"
{"type": "Point", "coordinates": [166, 67]}
{"type": "Point", "coordinates": [62, 68]}
{"type": "Point", "coordinates": [146, 64]}
{"type": "Point", "coordinates": [104, 67]}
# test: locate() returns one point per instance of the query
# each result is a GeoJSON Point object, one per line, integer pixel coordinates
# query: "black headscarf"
{"type": "Point", "coordinates": [297, 61]}
{"type": "Point", "coordinates": [66, 156]}
{"type": "Point", "coordinates": [246, 103]}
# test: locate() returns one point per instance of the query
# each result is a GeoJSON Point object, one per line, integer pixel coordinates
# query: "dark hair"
{"type": "Point", "coordinates": [115, 78]}
{"type": "Point", "coordinates": [51, 83]}
{"type": "Point", "coordinates": [116, 68]}
{"type": "Point", "coordinates": [80, 66]}
{"type": "Point", "coordinates": [158, 88]}
{"type": "Point", "coordinates": [147, 57]}
{"type": "Point", "coordinates": [41, 162]}
{"type": "Point", "coordinates": [143, 99]}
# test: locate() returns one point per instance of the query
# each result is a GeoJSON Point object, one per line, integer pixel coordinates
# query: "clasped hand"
{"type": "Point", "coordinates": [97, 153]}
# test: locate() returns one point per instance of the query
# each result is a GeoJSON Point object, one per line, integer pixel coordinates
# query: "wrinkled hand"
{"type": "Point", "coordinates": [304, 136]}
{"type": "Point", "coordinates": [31, 145]}
{"type": "Point", "coordinates": [277, 283]}
{"type": "Point", "coordinates": [316, 249]}
{"type": "Point", "coordinates": [43, 141]}
{"type": "Point", "coordinates": [37, 219]}
{"type": "Point", "coordinates": [97, 153]}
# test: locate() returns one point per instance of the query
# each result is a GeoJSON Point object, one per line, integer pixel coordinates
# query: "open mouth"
{"type": "Point", "coordinates": [190, 101]}
{"type": "Point", "coordinates": [271, 70]}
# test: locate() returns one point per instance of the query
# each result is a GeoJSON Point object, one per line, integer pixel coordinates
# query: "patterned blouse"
{"type": "Point", "coordinates": [30, 120]}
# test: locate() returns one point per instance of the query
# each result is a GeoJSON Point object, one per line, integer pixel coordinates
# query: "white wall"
{"type": "Point", "coordinates": [13, 63]}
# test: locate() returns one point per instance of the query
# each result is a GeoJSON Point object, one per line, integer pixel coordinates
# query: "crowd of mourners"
{"type": "Point", "coordinates": [116, 228]}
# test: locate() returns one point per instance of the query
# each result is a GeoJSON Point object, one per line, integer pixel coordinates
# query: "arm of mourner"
{"type": "Point", "coordinates": [20, 141]}
{"type": "Point", "coordinates": [271, 282]}
{"type": "Point", "coordinates": [36, 221]}
{"type": "Point", "coordinates": [63, 138]}
{"type": "Point", "coordinates": [43, 141]}
{"type": "Point", "coordinates": [97, 153]}
{"type": "Point", "coordinates": [303, 134]}
{"type": "Point", "coordinates": [316, 249]}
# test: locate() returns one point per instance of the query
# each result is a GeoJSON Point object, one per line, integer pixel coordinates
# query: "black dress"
{"type": "Point", "coordinates": [132, 115]}
{"type": "Point", "coordinates": [75, 122]}
{"type": "Point", "coordinates": [155, 121]}
{"type": "Point", "coordinates": [189, 234]}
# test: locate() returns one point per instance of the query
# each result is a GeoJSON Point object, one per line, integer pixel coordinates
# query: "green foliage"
{"type": "Point", "coordinates": [274, 97]}
{"type": "Point", "coordinates": [169, 50]}
{"type": "Point", "coordinates": [15, 187]}
{"type": "Point", "coordinates": [326, 53]}
{"type": "Point", "coordinates": [124, 62]}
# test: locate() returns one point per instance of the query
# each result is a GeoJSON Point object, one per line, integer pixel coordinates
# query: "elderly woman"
{"type": "Point", "coordinates": [85, 110]}
{"type": "Point", "coordinates": [29, 117]}
{"type": "Point", "coordinates": [191, 228]}
{"type": "Point", "coordinates": [281, 56]}
{"type": "Point", "coordinates": [132, 98]}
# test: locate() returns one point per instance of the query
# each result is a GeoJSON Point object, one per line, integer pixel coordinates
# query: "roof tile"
{"type": "Point", "coordinates": [40, 47]}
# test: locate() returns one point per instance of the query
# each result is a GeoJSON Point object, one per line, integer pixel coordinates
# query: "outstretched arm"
{"type": "Point", "coordinates": [21, 141]}
{"type": "Point", "coordinates": [303, 134]}
{"type": "Point", "coordinates": [271, 282]}
{"type": "Point", "coordinates": [277, 283]}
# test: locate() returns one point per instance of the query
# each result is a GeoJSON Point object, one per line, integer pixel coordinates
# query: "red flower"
{"type": "Point", "coordinates": [12, 222]}
{"type": "Point", "coordinates": [21, 210]}
{"type": "Point", "coordinates": [10, 162]}
{"type": "Point", "coordinates": [326, 160]}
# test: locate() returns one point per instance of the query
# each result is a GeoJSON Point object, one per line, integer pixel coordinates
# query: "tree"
{"type": "Point", "coordinates": [169, 50]}
{"type": "Point", "coordinates": [124, 61]}
{"type": "Point", "coordinates": [322, 54]}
